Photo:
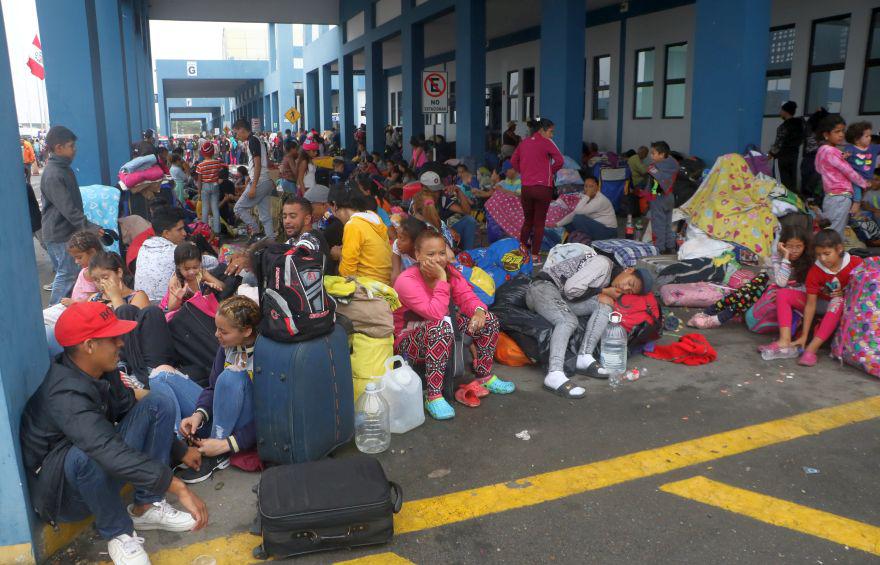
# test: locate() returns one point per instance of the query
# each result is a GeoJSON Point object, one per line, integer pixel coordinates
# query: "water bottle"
{"type": "Point", "coordinates": [372, 421]}
{"type": "Point", "coordinates": [613, 349]}
{"type": "Point", "coordinates": [630, 228]}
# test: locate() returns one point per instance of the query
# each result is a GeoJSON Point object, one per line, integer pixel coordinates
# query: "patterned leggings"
{"type": "Point", "coordinates": [740, 300]}
{"type": "Point", "coordinates": [432, 343]}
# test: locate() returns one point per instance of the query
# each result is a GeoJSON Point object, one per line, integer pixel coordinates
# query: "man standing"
{"type": "Point", "coordinates": [84, 434]}
{"type": "Point", "coordinates": [789, 136]}
{"type": "Point", "coordinates": [259, 191]}
{"type": "Point", "coordinates": [147, 145]}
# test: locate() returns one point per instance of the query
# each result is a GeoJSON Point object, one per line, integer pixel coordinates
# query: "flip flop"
{"type": "Point", "coordinates": [477, 388]}
{"type": "Point", "coordinates": [564, 390]}
{"type": "Point", "coordinates": [594, 371]}
{"type": "Point", "coordinates": [467, 395]}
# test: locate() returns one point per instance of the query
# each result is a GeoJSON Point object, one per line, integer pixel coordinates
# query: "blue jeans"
{"type": "Point", "coordinates": [467, 229]}
{"type": "Point", "coordinates": [66, 271]}
{"type": "Point", "coordinates": [592, 228]}
{"type": "Point", "coordinates": [289, 186]}
{"type": "Point", "coordinates": [90, 490]}
{"type": "Point", "coordinates": [233, 399]}
{"type": "Point", "coordinates": [211, 205]}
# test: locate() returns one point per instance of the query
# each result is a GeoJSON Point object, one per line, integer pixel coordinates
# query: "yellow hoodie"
{"type": "Point", "coordinates": [365, 248]}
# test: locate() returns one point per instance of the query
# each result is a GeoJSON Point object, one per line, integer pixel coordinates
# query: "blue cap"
{"type": "Point", "coordinates": [506, 166]}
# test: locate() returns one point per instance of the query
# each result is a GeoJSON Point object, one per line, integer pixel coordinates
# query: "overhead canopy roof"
{"type": "Point", "coordinates": [264, 11]}
{"type": "Point", "coordinates": [193, 109]}
{"type": "Point", "coordinates": [203, 87]}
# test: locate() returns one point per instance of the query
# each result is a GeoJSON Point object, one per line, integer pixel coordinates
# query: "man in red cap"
{"type": "Point", "coordinates": [209, 186]}
{"type": "Point", "coordinates": [84, 435]}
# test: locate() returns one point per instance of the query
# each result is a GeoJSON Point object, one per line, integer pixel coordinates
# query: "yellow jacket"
{"type": "Point", "coordinates": [365, 248]}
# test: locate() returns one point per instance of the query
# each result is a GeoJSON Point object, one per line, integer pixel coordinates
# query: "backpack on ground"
{"type": "Point", "coordinates": [642, 318]}
{"type": "Point", "coordinates": [761, 316]}
{"type": "Point", "coordinates": [690, 174]}
{"type": "Point", "coordinates": [293, 300]}
{"type": "Point", "coordinates": [857, 341]}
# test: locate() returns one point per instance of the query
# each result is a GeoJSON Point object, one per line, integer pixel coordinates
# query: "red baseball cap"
{"type": "Point", "coordinates": [89, 320]}
{"type": "Point", "coordinates": [207, 149]}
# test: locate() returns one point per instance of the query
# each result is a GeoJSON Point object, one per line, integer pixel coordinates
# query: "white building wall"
{"type": "Point", "coordinates": [602, 40]}
{"type": "Point", "coordinates": [518, 57]}
{"type": "Point", "coordinates": [802, 14]}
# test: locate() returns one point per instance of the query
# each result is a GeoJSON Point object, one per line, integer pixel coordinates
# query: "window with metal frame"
{"type": "Point", "coordinates": [643, 94]}
{"type": "Point", "coordinates": [778, 81]}
{"type": "Point", "coordinates": [674, 81]}
{"type": "Point", "coordinates": [870, 103]}
{"type": "Point", "coordinates": [828, 47]}
{"type": "Point", "coordinates": [528, 88]}
{"type": "Point", "coordinates": [513, 95]}
{"type": "Point", "coordinates": [601, 86]}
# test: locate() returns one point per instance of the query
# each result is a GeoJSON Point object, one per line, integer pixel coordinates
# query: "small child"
{"type": "Point", "coordinates": [82, 246]}
{"type": "Point", "coordinates": [403, 250]}
{"type": "Point", "coordinates": [189, 277]}
{"type": "Point", "coordinates": [113, 282]}
{"type": "Point", "coordinates": [871, 198]}
{"type": "Point", "coordinates": [838, 177]}
{"type": "Point", "coordinates": [662, 172]}
{"type": "Point", "coordinates": [862, 155]}
{"type": "Point", "coordinates": [826, 280]}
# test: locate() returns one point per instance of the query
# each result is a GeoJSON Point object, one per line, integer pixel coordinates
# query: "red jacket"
{"type": "Point", "coordinates": [537, 159]}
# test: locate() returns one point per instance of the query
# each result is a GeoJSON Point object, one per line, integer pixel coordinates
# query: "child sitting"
{"type": "Point", "coordinates": [576, 281]}
{"type": "Point", "coordinates": [403, 248]}
{"type": "Point", "coordinates": [838, 177]}
{"type": "Point", "coordinates": [423, 326]}
{"type": "Point", "coordinates": [662, 173]}
{"type": "Point", "coordinates": [189, 277]}
{"type": "Point", "coordinates": [108, 272]}
{"type": "Point", "coordinates": [825, 282]}
{"type": "Point", "coordinates": [82, 246]}
{"type": "Point", "coordinates": [790, 266]}
{"type": "Point", "coordinates": [227, 403]}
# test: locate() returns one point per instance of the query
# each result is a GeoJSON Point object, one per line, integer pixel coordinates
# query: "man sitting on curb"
{"type": "Point", "coordinates": [84, 435]}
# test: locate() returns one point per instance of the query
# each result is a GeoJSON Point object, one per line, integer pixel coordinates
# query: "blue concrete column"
{"type": "Point", "coordinates": [413, 59]}
{"type": "Point", "coordinates": [470, 77]}
{"type": "Point", "coordinates": [727, 101]}
{"type": "Point", "coordinates": [376, 99]}
{"type": "Point", "coordinates": [346, 104]}
{"type": "Point", "coordinates": [325, 89]}
{"type": "Point", "coordinates": [562, 71]}
{"type": "Point", "coordinates": [113, 83]}
{"type": "Point", "coordinates": [23, 360]}
{"type": "Point", "coordinates": [132, 77]}
{"type": "Point", "coordinates": [149, 104]}
{"type": "Point", "coordinates": [313, 107]}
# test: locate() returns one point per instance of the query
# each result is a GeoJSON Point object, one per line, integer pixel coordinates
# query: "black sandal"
{"type": "Point", "coordinates": [564, 390]}
{"type": "Point", "coordinates": [595, 371]}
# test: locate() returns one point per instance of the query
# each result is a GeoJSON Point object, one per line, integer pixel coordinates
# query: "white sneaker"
{"type": "Point", "coordinates": [162, 516]}
{"type": "Point", "coordinates": [128, 550]}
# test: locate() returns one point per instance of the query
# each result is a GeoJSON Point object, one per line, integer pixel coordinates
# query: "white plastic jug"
{"type": "Point", "coordinates": [403, 392]}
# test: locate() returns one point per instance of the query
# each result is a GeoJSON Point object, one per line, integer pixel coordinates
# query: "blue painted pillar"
{"type": "Point", "coordinates": [23, 360]}
{"type": "Point", "coordinates": [113, 84]}
{"type": "Point", "coordinates": [346, 104]}
{"type": "Point", "coordinates": [132, 77]}
{"type": "Point", "coordinates": [376, 99]}
{"type": "Point", "coordinates": [313, 107]}
{"type": "Point", "coordinates": [149, 104]}
{"type": "Point", "coordinates": [470, 77]}
{"type": "Point", "coordinates": [727, 101]}
{"type": "Point", "coordinates": [284, 98]}
{"type": "Point", "coordinates": [562, 71]}
{"type": "Point", "coordinates": [413, 45]}
{"type": "Point", "coordinates": [325, 89]}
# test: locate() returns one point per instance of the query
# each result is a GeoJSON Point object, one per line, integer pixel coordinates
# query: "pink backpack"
{"type": "Point", "coordinates": [693, 295]}
{"type": "Point", "coordinates": [761, 317]}
{"type": "Point", "coordinates": [857, 341]}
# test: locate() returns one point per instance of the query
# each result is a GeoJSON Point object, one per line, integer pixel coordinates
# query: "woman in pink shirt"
{"type": "Point", "coordinates": [423, 326]}
{"type": "Point", "coordinates": [537, 159]}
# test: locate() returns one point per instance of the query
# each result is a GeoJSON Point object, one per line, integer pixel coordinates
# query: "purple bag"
{"type": "Point", "coordinates": [758, 162]}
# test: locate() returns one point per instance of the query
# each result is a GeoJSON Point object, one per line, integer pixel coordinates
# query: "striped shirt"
{"type": "Point", "coordinates": [209, 171]}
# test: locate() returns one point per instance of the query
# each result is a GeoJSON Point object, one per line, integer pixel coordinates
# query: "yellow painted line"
{"type": "Point", "coordinates": [378, 559]}
{"type": "Point", "coordinates": [528, 491]}
{"type": "Point", "coordinates": [779, 513]}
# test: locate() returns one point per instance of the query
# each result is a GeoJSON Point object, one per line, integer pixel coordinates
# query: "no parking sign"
{"type": "Point", "coordinates": [435, 92]}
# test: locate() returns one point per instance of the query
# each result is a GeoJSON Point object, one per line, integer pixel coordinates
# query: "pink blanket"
{"type": "Point", "coordinates": [506, 209]}
{"type": "Point", "coordinates": [137, 177]}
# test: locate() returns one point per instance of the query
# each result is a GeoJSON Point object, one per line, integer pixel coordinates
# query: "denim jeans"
{"type": "Point", "coordinates": [262, 202]}
{"type": "Point", "coordinates": [289, 186]}
{"type": "Point", "coordinates": [466, 227]}
{"type": "Point", "coordinates": [211, 205]}
{"type": "Point", "coordinates": [90, 490]}
{"type": "Point", "coordinates": [233, 399]}
{"type": "Point", "coordinates": [596, 230]}
{"type": "Point", "coordinates": [66, 271]}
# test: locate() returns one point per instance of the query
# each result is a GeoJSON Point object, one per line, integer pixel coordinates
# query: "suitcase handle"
{"type": "Point", "coordinates": [398, 496]}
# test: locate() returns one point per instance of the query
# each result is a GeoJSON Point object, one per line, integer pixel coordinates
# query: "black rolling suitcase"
{"type": "Point", "coordinates": [325, 505]}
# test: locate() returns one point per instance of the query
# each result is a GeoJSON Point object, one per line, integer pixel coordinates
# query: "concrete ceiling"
{"type": "Point", "coordinates": [262, 11]}
{"type": "Point", "coordinates": [203, 87]}
{"type": "Point", "coordinates": [194, 109]}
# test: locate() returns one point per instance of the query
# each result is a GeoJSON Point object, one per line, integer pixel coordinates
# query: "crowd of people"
{"type": "Point", "coordinates": [122, 402]}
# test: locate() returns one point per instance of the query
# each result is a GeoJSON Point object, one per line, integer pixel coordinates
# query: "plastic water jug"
{"type": "Point", "coordinates": [613, 350]}
{"type": "Point", "coordinates": [403, 391]}
{"type": "Point", "coordinates": [372, 425]}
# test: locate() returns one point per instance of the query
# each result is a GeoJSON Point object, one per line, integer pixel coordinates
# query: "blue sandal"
{"type": "Point", "coordinates": [439, 409]}
{"type": "Point", "coordinates": [497, 386]}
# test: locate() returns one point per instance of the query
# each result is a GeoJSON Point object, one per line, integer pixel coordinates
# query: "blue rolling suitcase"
{"type": "Point", "coordinates": [303, 397]}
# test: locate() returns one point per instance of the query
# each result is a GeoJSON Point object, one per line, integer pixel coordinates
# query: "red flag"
{"type": "Point", "coordinates": [35, 62]}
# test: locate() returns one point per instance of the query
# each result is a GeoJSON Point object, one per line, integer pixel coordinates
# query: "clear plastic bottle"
{"type": "Point", "coordinates": [613, 350]}
{"type": "Point", "coordinates": [372, 421]}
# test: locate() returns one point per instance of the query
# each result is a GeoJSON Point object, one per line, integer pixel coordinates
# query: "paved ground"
{"type": "Point", "coordinates": [560, 500]}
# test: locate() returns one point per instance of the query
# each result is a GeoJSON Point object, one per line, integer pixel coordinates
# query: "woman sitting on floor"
{"type": "Point", "coordinates": [593, 215]}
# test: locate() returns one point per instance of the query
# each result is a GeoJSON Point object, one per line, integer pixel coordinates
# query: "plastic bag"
{"type": "Point", "coordinates": [507, 352]}
{"type": "Point", "coordinates": [403, 392]}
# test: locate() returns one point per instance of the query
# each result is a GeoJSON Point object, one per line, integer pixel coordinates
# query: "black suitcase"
{"type": "Point", "coordinates": [324, 505]}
